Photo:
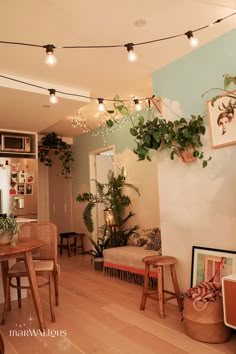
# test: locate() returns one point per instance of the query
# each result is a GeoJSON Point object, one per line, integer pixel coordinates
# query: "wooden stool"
{"type": "Point", "coordinates": [67, 236]}
{"type": "Point", "coordinates": [160, 262]}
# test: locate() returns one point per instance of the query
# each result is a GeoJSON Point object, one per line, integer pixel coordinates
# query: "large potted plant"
{"type": "Point", "coordinates": [8, 228]}
{"type": "Point", "coordinates": [111, 196]}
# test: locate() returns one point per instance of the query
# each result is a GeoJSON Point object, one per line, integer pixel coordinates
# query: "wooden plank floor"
{"type": "Point", "coordinates": [100, 315]}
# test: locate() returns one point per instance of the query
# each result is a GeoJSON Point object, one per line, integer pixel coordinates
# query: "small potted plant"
{"type": "Point", "coordinates": [102, 243]}
{"type": "Point", "coordinates": [8, 228]}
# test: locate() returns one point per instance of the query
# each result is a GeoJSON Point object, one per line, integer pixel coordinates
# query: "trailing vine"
{"type": "Point", "coordinates": [52, 144]}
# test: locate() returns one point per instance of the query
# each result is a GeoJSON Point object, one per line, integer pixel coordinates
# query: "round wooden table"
{"type": "Point", "coordinates": [25, 249]}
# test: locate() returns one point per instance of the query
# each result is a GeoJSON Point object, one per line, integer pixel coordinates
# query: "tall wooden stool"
{"type": "Point", "coordinates": [160, 262]}
{"type": "Point", "coordinates": [71, 246]}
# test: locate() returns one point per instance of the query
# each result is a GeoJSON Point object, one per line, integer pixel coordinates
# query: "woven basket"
{"type": "Point", "coordinates": [204, 321]}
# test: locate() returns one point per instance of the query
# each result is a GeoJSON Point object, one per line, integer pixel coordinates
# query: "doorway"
{"type": "Point", "coordinates": [101, 162]}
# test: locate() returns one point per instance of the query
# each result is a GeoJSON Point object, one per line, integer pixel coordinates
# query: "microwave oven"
{"type": "Point", "coordinates": [15, 143]}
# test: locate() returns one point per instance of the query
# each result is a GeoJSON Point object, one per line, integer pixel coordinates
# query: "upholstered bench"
{"type": "Point", "coordinates": [126, 262]}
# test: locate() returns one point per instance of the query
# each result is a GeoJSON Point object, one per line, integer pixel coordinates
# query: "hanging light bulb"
{"type": "Point", "coordinates": [101, 106]}
{"type": "Point", "coordinates": [50, 58]}
{"type": "Point", "coordinates": [53, 98]}
{"type": "Point", "coordinates": [132, 56]}
{"type": "Point", "coordinates": [138, 106]}
{"type": "Point", "coordinates": [193, 40]}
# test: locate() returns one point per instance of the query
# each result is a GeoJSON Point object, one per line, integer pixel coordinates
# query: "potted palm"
{"type": "Point", "coordinates": [111, 195]}
{"type": "Point", "coordinates": [8, 228]}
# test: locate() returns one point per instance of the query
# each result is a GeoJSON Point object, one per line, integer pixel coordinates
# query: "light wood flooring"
{"type": "Point", "coordinates": [101, 315]}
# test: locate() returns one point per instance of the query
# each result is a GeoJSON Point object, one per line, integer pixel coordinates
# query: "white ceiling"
{"type": "Point", "coordinates": [92, 72]}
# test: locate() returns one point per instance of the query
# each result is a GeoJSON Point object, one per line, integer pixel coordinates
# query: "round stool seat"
{"type": "Point", "coordinates": [159, 260]}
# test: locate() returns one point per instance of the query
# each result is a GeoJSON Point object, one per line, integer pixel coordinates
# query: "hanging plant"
{"type": "Point", "coordinates": [52, 144]}
{"type": "Point", "coordinates": [153, 133]}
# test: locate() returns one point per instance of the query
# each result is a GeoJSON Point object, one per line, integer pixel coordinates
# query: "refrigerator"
{"type": "Point", "coordinates": [19, 187]}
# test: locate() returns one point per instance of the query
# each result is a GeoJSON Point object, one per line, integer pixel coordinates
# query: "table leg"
{"type": "Point", "coordinates": [34, 289]}
{"type": "Point", "coordinates": [4, 269]}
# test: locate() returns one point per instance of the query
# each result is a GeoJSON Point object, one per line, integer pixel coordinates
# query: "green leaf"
{"type": "Point", "coordinates": [141, 119]}
{"type": "Point", "coordinates": [133, 132]}
{"type": "Point", "coordinates": [147, 139]}
{"type": "Point", "coordinates": [214, 99]}
{"type": "Point", "coordinates": [202, 129]}
{"type": "Point", "coordinates": [109, 123]}
{"type": "Point", "coordinates": [123, 110]}
{"type": "Point", "coordinates": [204, 163]}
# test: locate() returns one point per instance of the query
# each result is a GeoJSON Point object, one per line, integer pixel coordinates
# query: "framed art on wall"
{"type": "Point", "coordinates": [207, 262]}
{"type": "Point", "coordinates": [222, 121]}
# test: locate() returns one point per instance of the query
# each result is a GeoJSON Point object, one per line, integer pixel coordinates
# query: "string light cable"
{"type": "Point", "coordinates": [53, 99]}
{"type": "Point", "coordinates": [50, 48]}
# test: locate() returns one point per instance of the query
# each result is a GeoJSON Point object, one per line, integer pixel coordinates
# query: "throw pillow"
{"type": "Point", "coordinates": [154, 240]}
{"type": "Point", "coordinates": [136, 240]}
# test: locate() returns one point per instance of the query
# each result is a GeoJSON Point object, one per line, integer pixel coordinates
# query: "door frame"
{"type": "Point", "coordinates": [92, 175]}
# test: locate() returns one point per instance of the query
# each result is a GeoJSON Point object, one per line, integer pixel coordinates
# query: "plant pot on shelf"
{"type": "Point", "coordinates": [98, 263]}
{"type": "Point", "coordinates": [187, 155]}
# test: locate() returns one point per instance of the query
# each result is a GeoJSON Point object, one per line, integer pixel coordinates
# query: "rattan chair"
{"type": "Point", "coordinates": [45, 263]}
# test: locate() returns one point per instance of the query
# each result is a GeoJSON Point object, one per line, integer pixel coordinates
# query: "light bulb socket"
{"type": "Point", "coordinates": [52, 91]}
{"type": "Point", "coordinates": [53, 98]}
{"type": "Point", "coordinates": [189, 34]}
{"type": "Point", "coordinates": [100, 100]}
{"type": "Point", "coordinates": [129, 46]}
{"type": "Point", "coordinates": [49, 48]}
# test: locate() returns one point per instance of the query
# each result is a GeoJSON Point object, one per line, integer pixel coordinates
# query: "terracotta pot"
{"type": "Point", "coordinates": [5, 237]}
{"type": "Point", "coordinates": [187, 156]}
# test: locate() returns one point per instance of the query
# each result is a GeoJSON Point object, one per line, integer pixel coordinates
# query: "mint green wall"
{"type": "Point", "coordinates": [85, 143]}
{"type": "Point", "coordinates": [186, 79]}
{"type": "Point", "coordinates": [197, 206]}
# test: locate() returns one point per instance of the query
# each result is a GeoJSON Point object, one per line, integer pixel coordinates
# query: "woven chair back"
{"type": "Point", "coordinates": [44, 231]}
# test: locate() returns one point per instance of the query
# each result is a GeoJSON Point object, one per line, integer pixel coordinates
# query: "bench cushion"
{"type": "Point", "coordinates": [127, 258]}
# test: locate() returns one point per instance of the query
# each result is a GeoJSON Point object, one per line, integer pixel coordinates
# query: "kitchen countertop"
{"type": "Point", "coordinates": [23, 219]}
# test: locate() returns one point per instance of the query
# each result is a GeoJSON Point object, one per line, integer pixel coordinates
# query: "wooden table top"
{"type": "Point", "coordinates": [20, 246]}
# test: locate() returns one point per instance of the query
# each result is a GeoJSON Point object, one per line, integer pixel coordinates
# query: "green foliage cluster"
{"type": "Point", "coordinates": [154, 133]}
{"type": "Point", "coordinates": [177, 136]}
{"type": "Point", "coordinates": [111, 195]}
{"type": "Point", "coordinates": [102, 243]}
{"type": "Point", "coordinates": [52, 144]}
{"type": "Point", "coordinates": [8, 223]}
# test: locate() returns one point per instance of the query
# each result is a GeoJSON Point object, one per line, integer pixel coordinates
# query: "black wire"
{"type": "Point", "coordinates": [20, 43]}
{"type": "Point", "coordinates": [120, 45]}
{"type": "Point", "coordinates": [70, 94]}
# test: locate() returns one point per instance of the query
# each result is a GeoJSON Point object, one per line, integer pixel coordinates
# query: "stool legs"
{"type": "Point", "coordinates": [160, 290]}
{"type": "Point", "coordinates": [68, 246]}
{"type": "Point", "coordinates": [61, 245]}
{"type": "Point", "coordinates": [176, 285]}
{"type": "Point", "coordinates": [145, 287]}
